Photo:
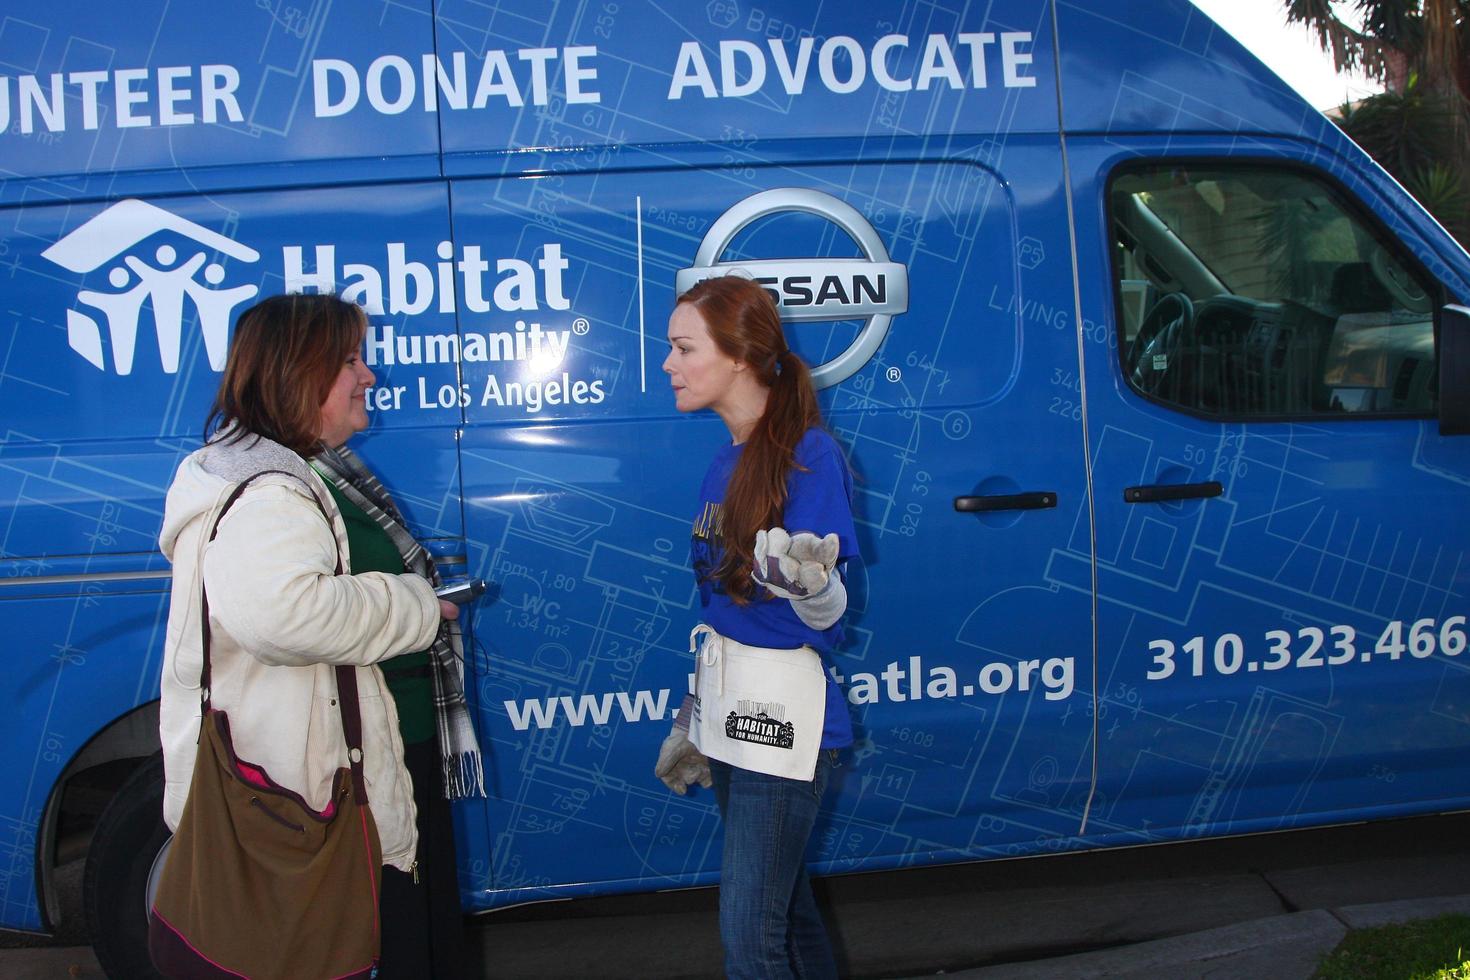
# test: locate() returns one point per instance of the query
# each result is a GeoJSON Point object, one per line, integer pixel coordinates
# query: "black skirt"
{"type": "Point", "coordinates": [422, 924]}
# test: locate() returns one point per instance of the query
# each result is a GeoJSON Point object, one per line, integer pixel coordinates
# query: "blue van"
{"type": "Point", "coordinates": [1151, 380]}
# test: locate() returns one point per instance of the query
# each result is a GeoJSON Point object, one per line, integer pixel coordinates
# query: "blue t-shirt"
{"type": "Point", "coordinates": [819, 500]}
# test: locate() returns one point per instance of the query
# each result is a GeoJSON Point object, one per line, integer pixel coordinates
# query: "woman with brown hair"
{"type": "Point", "coordinates": [312, 569]}
{"type": "Point", "coordinates": [772, 532]}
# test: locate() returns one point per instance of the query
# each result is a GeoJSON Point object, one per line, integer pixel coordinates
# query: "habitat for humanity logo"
{"type": "Point", "coordinates": [872, 289]}
{"type": "Point", "coordinates": [164, 280]}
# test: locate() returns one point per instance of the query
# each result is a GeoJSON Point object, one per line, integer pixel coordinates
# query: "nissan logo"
{"type": "Point", "coordinates": [813, 289]}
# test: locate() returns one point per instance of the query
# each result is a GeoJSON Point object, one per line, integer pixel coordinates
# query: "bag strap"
{"type": "Point", "coordinates": [347, 704]}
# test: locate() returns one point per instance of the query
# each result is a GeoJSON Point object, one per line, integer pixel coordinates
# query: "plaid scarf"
{"type": "Point", "coordinates": [459, 751]}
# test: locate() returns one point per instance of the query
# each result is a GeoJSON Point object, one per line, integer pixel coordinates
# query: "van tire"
{"type": "Point", "coordinates": [129, 835]}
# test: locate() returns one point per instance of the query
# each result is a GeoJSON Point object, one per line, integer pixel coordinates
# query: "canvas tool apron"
{"type": "Point", "coordinates": [757, 708]}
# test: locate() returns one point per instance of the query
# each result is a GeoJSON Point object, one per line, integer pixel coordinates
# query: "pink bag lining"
{"type": "Point", "coordinates": [255, 776]}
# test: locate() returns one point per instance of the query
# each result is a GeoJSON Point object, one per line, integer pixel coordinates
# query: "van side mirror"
{"type": "Point", "coordinates": [1454, 371]}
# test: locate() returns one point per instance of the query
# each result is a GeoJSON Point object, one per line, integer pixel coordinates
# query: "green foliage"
{"type": "Point", "coordinates": [1430, 949]}
{"type": "Point", "coordinates": [1442, 192]}
{"type": "Point", "coordinates": [1413, 135]}
{"type": "Point", "coordinates": [1420, 129]}
{"type": "Point", "coordinates": [1402, 130]}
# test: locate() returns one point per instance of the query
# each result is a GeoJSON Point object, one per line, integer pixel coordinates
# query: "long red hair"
{"type": "Point", "coordinates": [744, 325]}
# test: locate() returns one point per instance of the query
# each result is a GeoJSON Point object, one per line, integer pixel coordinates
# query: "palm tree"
{"type": "Point", "coordinates": [1419, 128]}
{"type": "Point", "coordinates": [1398, 38]}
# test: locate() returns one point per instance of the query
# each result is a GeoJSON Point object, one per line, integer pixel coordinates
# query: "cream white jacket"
{"type": "Point", "coordinates": [281, 621]}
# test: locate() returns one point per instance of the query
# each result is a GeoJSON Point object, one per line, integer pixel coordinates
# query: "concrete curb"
{"type": "Point", "coordinates": [1284, 947]}
{"type": "Point", "coordinates": [1389, 913]}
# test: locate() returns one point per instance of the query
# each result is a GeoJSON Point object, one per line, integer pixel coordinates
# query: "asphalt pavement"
{"type": "Point", "coordinates": [1257, 907]}
{"type": "Point", "coordinates": [1282, 947]}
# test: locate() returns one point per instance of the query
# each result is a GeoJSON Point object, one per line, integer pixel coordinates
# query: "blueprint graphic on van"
{"type": "Point", "coordinates": [1088, 611]}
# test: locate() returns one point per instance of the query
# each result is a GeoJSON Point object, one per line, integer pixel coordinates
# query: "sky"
{"type": "Point", "coordinates": [1290, 52]}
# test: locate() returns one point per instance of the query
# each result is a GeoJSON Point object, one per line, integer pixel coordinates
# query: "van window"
{"type": "Point", "coordinates": [1249, 291]}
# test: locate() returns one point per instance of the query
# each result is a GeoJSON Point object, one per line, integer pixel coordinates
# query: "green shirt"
{"type": "Point", "coordinates": [408, 676]}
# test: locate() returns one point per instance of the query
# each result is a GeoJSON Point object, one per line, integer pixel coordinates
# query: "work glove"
{"type": "Point", "coordinates": [793, 566]}
{"type": "Point", "coordinates": [801, 567]}
{"type": "Point", "coordinates": [679, 763]}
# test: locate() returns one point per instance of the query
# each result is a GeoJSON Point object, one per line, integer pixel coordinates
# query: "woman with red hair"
{"type": "Point", "coordinates": [773, 529]}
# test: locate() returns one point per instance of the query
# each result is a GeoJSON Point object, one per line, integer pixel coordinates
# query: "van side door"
{"type": "Point", "coordinates": [1281, 543]}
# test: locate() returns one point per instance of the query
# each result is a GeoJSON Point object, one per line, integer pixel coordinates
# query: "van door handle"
{"type": "Point", "coordinates": [1159, 492]}
{"type": "Point", "coordinates": [1039, 500]}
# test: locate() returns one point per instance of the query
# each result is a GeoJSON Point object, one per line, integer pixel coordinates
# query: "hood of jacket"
{"type": "Point", "coordinates": [207, 475]}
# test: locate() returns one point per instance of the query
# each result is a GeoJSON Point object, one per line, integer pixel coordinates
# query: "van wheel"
{"type": "Point", "coordinates": [129, 835]}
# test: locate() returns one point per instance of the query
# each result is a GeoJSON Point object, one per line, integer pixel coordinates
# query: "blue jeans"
{"type": "Point", "coordinates": [769, 921]}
